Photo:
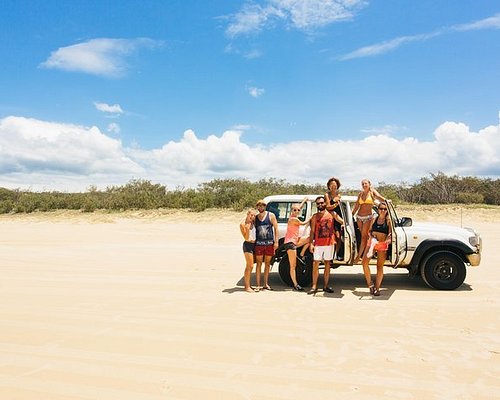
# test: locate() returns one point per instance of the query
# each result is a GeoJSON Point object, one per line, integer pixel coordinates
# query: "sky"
{"type": "Point", "coordinates": [97, 93]}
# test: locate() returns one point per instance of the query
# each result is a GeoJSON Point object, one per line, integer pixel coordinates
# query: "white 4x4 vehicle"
{"type": "Point", "coordinates": [439, 253]}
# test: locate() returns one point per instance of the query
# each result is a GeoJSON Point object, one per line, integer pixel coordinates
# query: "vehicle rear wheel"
{"type": "Point", "coordinates": [443, 271]}
{"type": "Point", "coordinates": [303, 271]}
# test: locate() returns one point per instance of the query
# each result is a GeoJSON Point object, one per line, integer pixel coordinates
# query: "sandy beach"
{"type": "Point", "coordinates": [150, 305]}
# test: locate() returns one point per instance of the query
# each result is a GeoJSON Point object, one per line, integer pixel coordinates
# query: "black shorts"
{"type": "Point", "coordinates": [248, 247]}
{"type": "Point", "coordinates": [289, 246]}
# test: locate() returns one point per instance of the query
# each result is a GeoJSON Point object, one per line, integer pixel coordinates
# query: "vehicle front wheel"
{"type": "Point", "coordinates": [443, 271]}
{"type": "Point", "coordinates": [303, 271]}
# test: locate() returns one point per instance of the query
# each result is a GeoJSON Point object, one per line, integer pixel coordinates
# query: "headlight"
{"type": "Point", "coordinates": [474, 240]}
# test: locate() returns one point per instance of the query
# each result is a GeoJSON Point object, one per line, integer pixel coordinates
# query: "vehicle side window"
{"type": "Point", "coordinates": [282, 211]}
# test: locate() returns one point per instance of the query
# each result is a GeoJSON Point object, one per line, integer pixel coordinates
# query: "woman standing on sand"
{"type": "Point", "coordinates": [247, 229]}
{"type": "Point", "coordinates": [380, 231]}
{"type": "Point", "coordinates": [293, 240]}
{"type": "Point", "coordinates": [363, 210]}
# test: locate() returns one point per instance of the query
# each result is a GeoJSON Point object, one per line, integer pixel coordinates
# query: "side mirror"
{"type": "Point", "coordinates": [405, 221]}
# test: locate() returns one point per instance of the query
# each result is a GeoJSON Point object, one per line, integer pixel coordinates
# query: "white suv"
{"type": "Point", "coordinates": [439, 253]}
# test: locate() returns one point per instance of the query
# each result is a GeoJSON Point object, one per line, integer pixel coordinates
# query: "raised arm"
{"type": "Point", "coordinates": [356, 205]}
{"type": "Point", "coordinates": [338, 218]}
{"type": "Point", "coordinates": [305, 222]}
{"type": "Point", "coordinates": [378, 196]}
{"type": "Point", "coordinates": [388, 239]}
{"type": "Point", "coordinates": [244, 229]}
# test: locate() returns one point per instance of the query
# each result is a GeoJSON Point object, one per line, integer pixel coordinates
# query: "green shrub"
{"type": "Point", "coordinates": [238, 194]}
{"type": "Point", "coordinates": [470, 198]}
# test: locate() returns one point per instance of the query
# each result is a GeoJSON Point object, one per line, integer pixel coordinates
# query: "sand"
{"type": "Point", "coordinates": [150, 305]}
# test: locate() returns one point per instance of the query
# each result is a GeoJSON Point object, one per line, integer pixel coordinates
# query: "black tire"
{"type": "Point", "coordinates": [443, 271]}
{"type": "Point", "coordinates": [302, 271]}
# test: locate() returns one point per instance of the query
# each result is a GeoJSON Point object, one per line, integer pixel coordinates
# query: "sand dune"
{"type": "Point", "coordinates": [150, 305]}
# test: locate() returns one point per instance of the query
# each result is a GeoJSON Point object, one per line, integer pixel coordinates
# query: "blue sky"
{"type": "Point", "coordinates": [182, 92]}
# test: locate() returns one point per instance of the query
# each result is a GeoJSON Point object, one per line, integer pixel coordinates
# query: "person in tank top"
{"type": "Point", "coordinates": [266, 242]}
{"type": "Point", "coordinates": [293, 240]}
{"type": "Point", "coordinates": [332, 198]}
{"type": "Point", "coordinates": [322, 242]}
{"type": "Point", "coordinates": [247, 229]}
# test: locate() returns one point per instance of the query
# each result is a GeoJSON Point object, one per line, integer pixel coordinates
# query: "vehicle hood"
{"type": "Point", "coordinates": [425, 230]}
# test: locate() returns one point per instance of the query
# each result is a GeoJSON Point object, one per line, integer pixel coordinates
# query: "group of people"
{"type": "Point", "coordinates": [260, 232]}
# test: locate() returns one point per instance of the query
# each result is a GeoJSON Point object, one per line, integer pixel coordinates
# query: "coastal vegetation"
{"type": "Point", "coordinates": [238, 194]}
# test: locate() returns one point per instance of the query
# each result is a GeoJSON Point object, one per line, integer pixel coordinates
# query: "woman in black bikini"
{"type": "Point", "coordinates": [380, 230]}
{"type": "Point", "coordinates": [332, 198]}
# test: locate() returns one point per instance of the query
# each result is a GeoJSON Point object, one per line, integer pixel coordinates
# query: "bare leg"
{"type": "Point", "coordinates": [258, 268]}
{"type": "Point", "coordinates": [381, 256]}
{"type": "Point", "coordinates": [366, 271]}
{"type": "Point", "coordinates": [315, 275]}
{"type": "Point", "coordinates": [326, 273]}
{"type": "Point", "coordinates": [292, 259]}
{"type": "Point", "coordinates": [338, 243]}
{"type": "Point", "coordinates": [248, 271]}
{"type": "Point", "coordinates": [360, 227]}
{"type": "Point", "coordinates": [267, 268]}
{"type": "Point", "coordinates": [304, 249]}
{"type": "Point", "coordinates": [304, 243]}
{"type": "Point", "coordinates": [365, 226]}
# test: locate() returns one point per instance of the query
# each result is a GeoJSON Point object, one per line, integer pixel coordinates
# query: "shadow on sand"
{"type": "Point", "coordinates": [354, 283]}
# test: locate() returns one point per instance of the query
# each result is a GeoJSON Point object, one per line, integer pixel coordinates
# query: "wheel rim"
{"type": "Point", "coordinates": [444, 271]}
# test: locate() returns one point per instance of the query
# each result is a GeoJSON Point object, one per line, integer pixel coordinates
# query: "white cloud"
{"type": "Point", "coordinates": [113, 128]}
{"type": "Point", "coordinates": [31, 149]}
{"type": "Point", "coordinates": [307, 14]}
{"type": "Point", "coordinates": [104, 57]}
{"type": "Point", "coordinates": [492, 22]}
{"type": "Point", "coordinates": [48, 155]}
{"type": "Point", "coordinates": [255, 91]}
{"type": "Point", "coordinates": [108, 108]}
{"type": "Point", "coordinates": [386, 46]}
{"type": "Point", "coordinates": [248, 54]}
{"type": "Point", "coordinates": [253, 54]}
{"type": "Point", "coordinates": [384, 130]}
{"type": "Point", "coordinates": [252, 18]}
{"type": "Point", "coordinates": [390, 45]}
{"type": "Point", "coordinates": [304, 15]}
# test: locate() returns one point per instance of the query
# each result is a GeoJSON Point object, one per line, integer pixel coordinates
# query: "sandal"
{"type": "Point", "coordinates": [376, 292]}
{"type": "Point", "coordinates": [372, 289]}
{"type": "Point", "coordinates": [267, 287]}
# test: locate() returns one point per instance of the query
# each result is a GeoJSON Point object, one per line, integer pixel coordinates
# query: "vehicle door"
{"type": "Point", "coordinates": [348, 235]}
{"type": "Point", "coordinates": [399, 241]}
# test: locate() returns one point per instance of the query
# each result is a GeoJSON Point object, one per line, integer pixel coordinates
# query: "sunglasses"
{"type": "Point", "coordinates": [382, 209]}
{"type": "Point", "coordinates": [295, 209]}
